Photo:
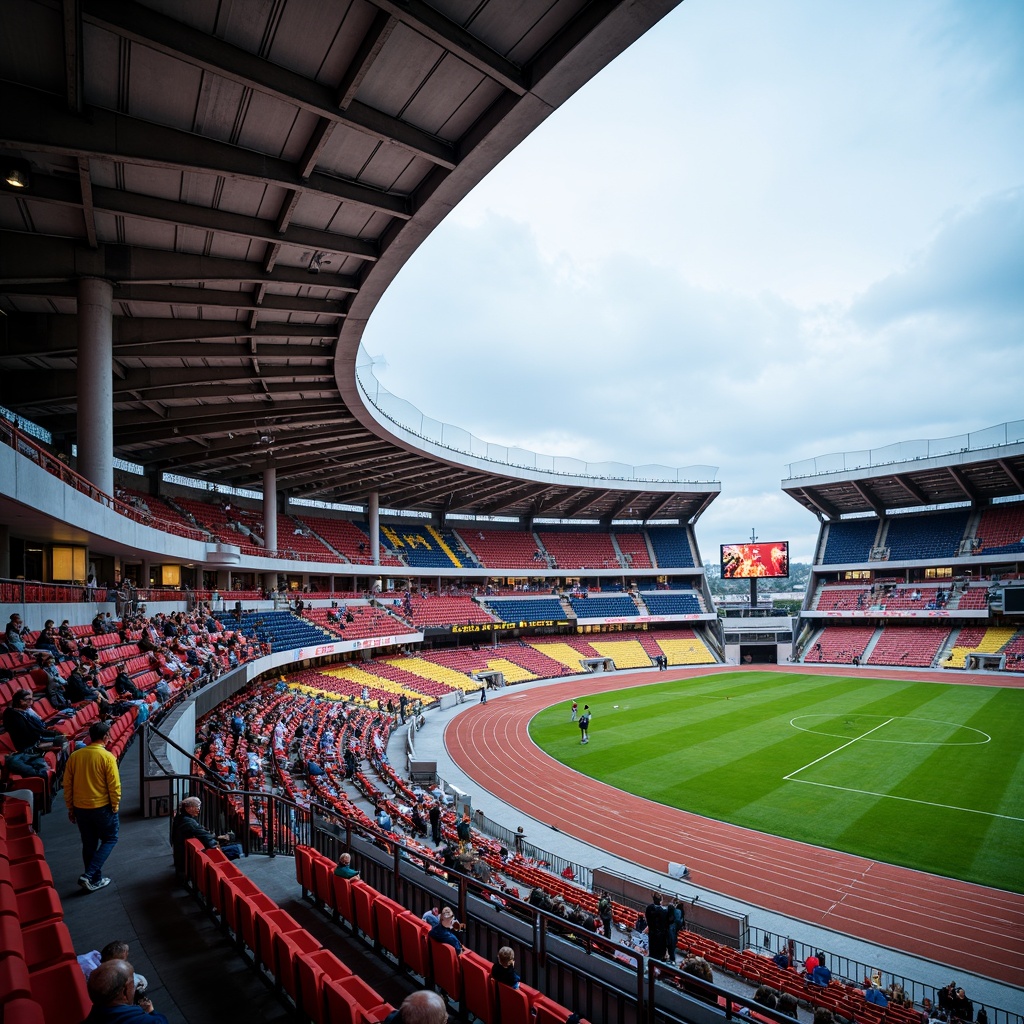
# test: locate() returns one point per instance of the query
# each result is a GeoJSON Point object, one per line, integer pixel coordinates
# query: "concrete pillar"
{"type": "Point", "coordinates": [223, 579]}
{"type": "Point", "coordinates": [270, 507]}
{"type": "Point", "coordinates": [373, 515]}
{"type": "Point", "coordinates": [5, 552]}
{"type": "Point", "coordinates": [96, 383]}
{"type": "Point", "coordinates": [144, 574]}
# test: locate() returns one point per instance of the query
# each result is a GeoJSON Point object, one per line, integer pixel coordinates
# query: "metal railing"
{"type": "Point", "coordinates": [406, 416]}
{"type": "Point", "coordinates": [1011, 432]}
{"type": "Point", "coordinates": [855, 972]}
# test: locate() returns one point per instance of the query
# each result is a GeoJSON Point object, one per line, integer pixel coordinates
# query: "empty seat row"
{"type": "Point", "coordinates": [40, 980]}
{"type": "Point", "coordinates": [320, 985]}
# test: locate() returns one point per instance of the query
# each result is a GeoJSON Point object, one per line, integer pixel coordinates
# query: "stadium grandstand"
{"type": "Point", "coordinates": [915, 558]}
{"type": "Point", "coordinates": [217, 535]}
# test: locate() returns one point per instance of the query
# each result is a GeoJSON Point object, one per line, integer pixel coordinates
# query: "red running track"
{"type": "Point", "coordinates": [957, 923]}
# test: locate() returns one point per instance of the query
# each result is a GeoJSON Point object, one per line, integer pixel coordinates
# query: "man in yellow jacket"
{"type": "Point", "coordinates": [92, 792]}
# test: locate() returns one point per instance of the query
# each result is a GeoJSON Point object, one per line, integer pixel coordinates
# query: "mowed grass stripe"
{"type": "Point", "coordinates": [722, 746]}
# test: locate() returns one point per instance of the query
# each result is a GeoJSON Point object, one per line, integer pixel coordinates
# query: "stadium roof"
{"type": "Point", "coordinates": [913, 474]}
{"type": "Point", "coordinates": [251, 177]}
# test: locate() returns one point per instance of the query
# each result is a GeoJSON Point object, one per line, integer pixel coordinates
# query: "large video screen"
{"type": "Point", "coordinates": [749, 561]}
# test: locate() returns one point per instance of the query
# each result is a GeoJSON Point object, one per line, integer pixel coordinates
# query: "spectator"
{"type": "Point", "coordinates": [423, 1007]}
{"type": "Point", "coordinates": [15, 634]}
{"type": "Point", "coordinates": [766, 996]}
{"type": "Point", "coordinates": [116, 950]}
{"type": "Point", "coordinates": [823, 1016]}
{"type": "Point", "coordinates": [112, 991]}
{"type": "Point", "coordinates": [700, 968]}
{"type": "Point", "coordinates": [186, 825]}
{"type": "Point", "coordinates": [92, 792]}
{"type": "Point", "coordinates": [56, 691]}
{"type": "Point", "coordinates": [787, 1004]}
{"type": "Point", "coordinates": [344, 868]}
{"type": "Point", "coordinates": [873, 994]}
{"type": "Point", "coordinates": [445, 929]}
{"type": "Point", "coordinates": [26, 729]}
{"type": "Point", "coordinates": [125, 687]}
{"type": "Point", "coordinates": [504, 971]}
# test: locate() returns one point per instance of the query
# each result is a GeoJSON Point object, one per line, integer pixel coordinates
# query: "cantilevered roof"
{"type": "Point", "coordinates": [251, 177]}
{"type": "Point", "coordinates": [907, 480]}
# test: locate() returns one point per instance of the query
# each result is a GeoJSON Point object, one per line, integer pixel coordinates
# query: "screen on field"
{"type": "Point", "coordinates": [745, 561]}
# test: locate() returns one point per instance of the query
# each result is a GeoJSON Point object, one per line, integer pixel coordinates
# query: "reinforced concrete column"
{"type": "Point", "coordinates": [270, 507]}
{"type": "Point", "coordinates": [5, 552]}
{"type": "Point", "coordinates": [373, 515]}
{"type": "Point", "coordinates": [96, 383]}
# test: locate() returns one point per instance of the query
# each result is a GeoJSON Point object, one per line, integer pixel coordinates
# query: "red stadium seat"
{"type": "Point", "coordinates": [22, 1010]}
{"type": "Point", "coordinates": [343, 899]}
{"type": "Point", "coordinates": [62, 994]}
{"type": "Point", "coordinates": [386, 913]}
{"type": "Point", "coordinates": [514, 1005]}
{"type": "Point", "coordinates": [288, 947]}
{"type": "Point", "coordinates": [412, 932]}
{"type": "Point", "coordinates": [447, 974]}
{"type": "Point", "coordinates": [314, 970]}
{"type": "Point", "coordinates": [363, 898]}
{"type": "Point", "coordinates": [478, 988]}
{"type": "Point", "coordinates": [323, 880]}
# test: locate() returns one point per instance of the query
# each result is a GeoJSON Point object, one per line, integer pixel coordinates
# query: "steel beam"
{"type": "Point", "coordinates": [200, 49]}
{"type": "Point", "coordinates": [33, 122]}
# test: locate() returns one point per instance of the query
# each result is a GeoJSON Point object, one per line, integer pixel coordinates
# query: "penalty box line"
{"type": "Point", "coordinates": [909, 800]}
{"type": "Point", "coordinates": [791, 776]}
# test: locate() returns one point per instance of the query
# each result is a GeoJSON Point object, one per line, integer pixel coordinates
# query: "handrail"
{"type": "Point", "coordinates": [1011, 432]}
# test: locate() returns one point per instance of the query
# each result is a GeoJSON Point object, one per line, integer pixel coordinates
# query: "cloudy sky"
{"type": "Point", "coordinates": [766, 232]}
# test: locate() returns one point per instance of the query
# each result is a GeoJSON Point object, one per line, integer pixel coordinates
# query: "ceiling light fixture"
{"type": "Point", "coordinates": [18, 173]}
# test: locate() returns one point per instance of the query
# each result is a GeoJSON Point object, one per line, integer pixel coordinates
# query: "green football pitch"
{"type": "Point", "coordinates": [927, 775]}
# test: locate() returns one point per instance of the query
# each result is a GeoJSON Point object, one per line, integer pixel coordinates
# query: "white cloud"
{"type": "Point", "coordinates": [764, 233]}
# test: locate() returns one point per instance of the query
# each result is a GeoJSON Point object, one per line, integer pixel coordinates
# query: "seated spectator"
{"type": "Point", "coordinates": [423, 1007]}
{"type": "Point", "coordinates": [185, 826]}
{"type": "Point", "coordinates": [78, 688]}
{"type": "Point", "coordinates": [787, 1004]}
{"type": "Point", "coordinates": [445, 929]}
{"type": "Point", "coordinates": [116, 950]}
{"type": "Point", "coordinates": [810, 963]}
{"type": "Point", "coordinates": [821, 975]}
{"type": "Point", "coordinates": [504, 971]}
{"type": "Point", "coordinates": [781, 960]}
{"type": "Point", "coordinates": [26, 729]}
{"type": "Point", "coordinates": [432, 916]}
{"type": "Point", "coordinates": [383, 818]}
{"type": "Point", "coordinates": [823, 1016]}
{"type": "Point", "coordinates": [873, 994]}
{"type": "Point", "coordinates": [56, 691]}
{"type": "Point", "coordinates": [125, 686]}
{"type": "Point", "coordinates": [48, 639]}
{"type": "Point", "coordinates": [344, 868]}
{"type": "Point", "coordinates": [766, 996]}
{"type": "Point", "coordinates": [700, 968]}
{"type": "Point", "coordinates": [112, 991]}
{"type": "Point", "coordinates": [14, 637]}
